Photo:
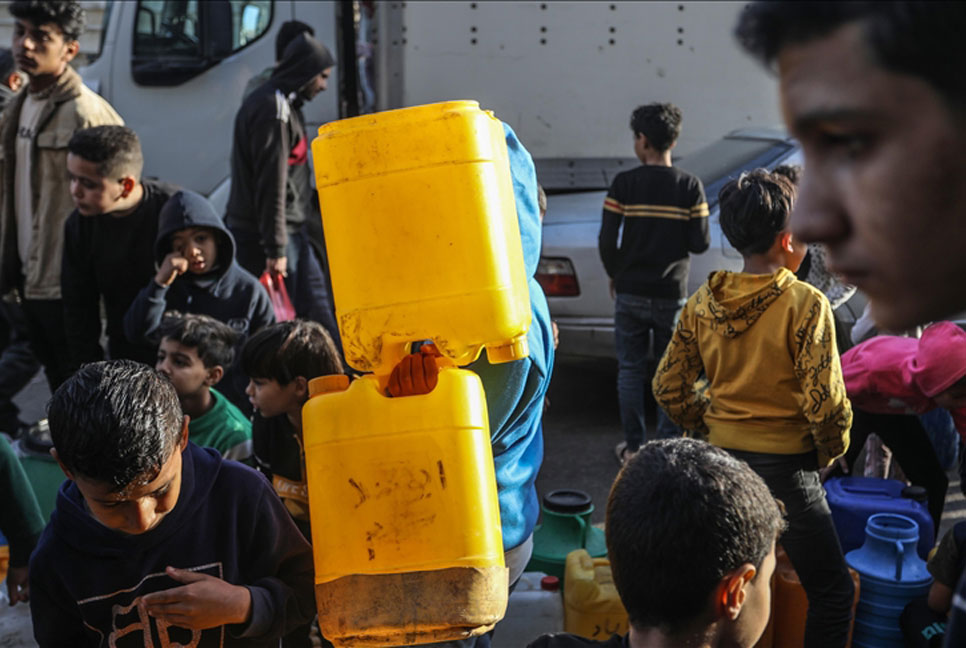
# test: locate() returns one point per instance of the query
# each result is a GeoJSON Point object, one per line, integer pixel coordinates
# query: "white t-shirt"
{"type": "Point", "coordinates": [22, 193]}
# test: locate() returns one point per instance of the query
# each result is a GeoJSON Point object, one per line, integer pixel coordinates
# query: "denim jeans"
{"type": "Point", "coordinates": [811, 543]}
{"type": "Point", "coordinates": [635, 318]}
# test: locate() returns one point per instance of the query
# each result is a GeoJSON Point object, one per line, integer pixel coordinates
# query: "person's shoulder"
{"type": "Point", "coordinates": [807, 294]}
{"type": "Point", "coordinates": [567, 640]}
{"type": "Point", "coordinates": [684, 176]}
{"type": "Point", "coordinates": [159, 190]}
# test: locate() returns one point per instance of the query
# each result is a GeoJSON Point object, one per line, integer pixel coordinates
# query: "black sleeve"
{"type": "Point", "coordinates": [699, 237]}
{"type": "Point", "coordinates": [81, 298]}
{"type": "Point", "coordinates": [143, 317]}
{"type": "Point", "coordinates": [610, 224]}
{"type": "Point", "coordinates": [283, 592]}
{"type": "Point", "coordinates": [57, 621]}
{"type": "Point", "coordinates": [270, 146]}
{"type": "Point", "coordinates": [262, 314]}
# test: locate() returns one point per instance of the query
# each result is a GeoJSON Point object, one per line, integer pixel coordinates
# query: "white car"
{"type": "Point", "coordinates": [570, 271]}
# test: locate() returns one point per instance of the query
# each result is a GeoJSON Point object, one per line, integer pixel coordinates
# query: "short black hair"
{"type": "Point", "coordinates": [115, 422]}
{"type": "Point", "coordinates": [286, 350]}
{"type": "Point", "coordinates": [922, 39]}
{"type": "Point", "coordinates": [680, 517]}
{"type": "Point", "coordinates": [68, 15]}
{"type": "Point", "coordinates": [212, 340]}
{"type": "Point", "coordinates": [754, 209]}
{"type": "Point", "coordinates": [116, 150]}
{"type": "Point", "coordinates": [791, 171]}
{"type": "Point", "coordinates": [660, 123]}
{"type": "Point", "coordinates": [287, 32]}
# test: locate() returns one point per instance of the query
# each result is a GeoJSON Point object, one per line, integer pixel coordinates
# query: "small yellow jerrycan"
{"type": "Point", "coordinates": [405, 519]}
{"type": "Point", "coordinates": [592, 607]}
{"type": "Point", "coordinates": [422, 234]}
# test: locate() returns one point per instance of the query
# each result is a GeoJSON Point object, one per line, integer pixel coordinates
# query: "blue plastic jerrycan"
{"type": "Point", "coordinates": [891, 574]}
{"type": "Point", "coordinates": [854, 499]}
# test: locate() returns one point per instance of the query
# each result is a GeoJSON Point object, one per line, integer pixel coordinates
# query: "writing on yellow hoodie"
{"type": "Point", "coordinates": [767, 346]}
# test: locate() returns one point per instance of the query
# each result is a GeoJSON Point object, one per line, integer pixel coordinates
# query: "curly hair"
{"type": "Point", "coordinates": [660, 123]}
{"type": "Point", "coordinates": [68, 15]}
{"type": "Point", "coordinates": [754, 209]}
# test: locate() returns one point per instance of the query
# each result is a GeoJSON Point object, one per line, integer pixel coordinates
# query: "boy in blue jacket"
{"type": "Point", "coordinates": [198, 273]}
{"type": "Point", "coordinates": [155, 541]}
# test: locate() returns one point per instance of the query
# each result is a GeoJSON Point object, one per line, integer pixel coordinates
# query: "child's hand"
{"type": "Point", "coordinates": [415, 374]}
{"type": "Point", "coordinates": [173, 266]}
{"type": "Point", "coordinates": [203, 602]}
{"type": "Point", "coordinates": [18, 585]}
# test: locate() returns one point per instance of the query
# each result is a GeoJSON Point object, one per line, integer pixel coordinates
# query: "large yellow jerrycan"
{"type": "Point", "coordinates": [405, 519]}
{"type": "Point", "coordinates": [592, 607]}
{"type": "Point", "coordinates": [422, 234]}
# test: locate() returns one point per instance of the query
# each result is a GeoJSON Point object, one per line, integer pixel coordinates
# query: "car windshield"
{"type": "Point", "coordinates": [726, 158]}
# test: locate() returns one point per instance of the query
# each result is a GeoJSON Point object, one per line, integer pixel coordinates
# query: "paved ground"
{"type": "Point", "coordinates": [581, 428]}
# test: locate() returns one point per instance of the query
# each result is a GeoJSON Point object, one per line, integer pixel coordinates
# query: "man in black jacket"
{"type": "Point", "coordinates": [270, 185]}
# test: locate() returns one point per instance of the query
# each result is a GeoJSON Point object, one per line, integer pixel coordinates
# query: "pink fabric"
{"type": "Point", "coordinates": [899, 375]}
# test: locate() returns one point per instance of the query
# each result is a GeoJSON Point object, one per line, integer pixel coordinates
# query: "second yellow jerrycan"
{"type": "Point", "coordinates": [592, 607]}
{"type": "Point", "coordinates": [422, 234]}
{"type": "Point", "coordinates": [405, 519]}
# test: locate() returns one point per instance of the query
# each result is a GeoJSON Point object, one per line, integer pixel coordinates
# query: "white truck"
{"type": "Point", "coordinates": [565, 75]}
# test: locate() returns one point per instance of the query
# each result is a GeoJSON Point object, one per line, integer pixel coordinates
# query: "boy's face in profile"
{"type": "Point", "coordinates": [137, 508]}
{"type": "Point", "coordinates": [92, 193]}
{"type": "Point", "coordinates": [199, 246]}
{"type": "Point", "coordinates": [883, 183]}
{"type": "Point", "coordinates": [181, 365]}
{"type": "Point", "coordinates": [270, 398]}
{"type": "Point", "coordinates": [751, 622]}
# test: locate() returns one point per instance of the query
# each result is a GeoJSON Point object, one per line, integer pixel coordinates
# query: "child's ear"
{"type": "Point", "coordinates": [127, 183]}
{"type": "Point", "coordinates": [785, 239]}
{"type": "Point", "coordinates": [215, 374]}
{"type": "Point", "coordinates": [53, 453]}
{"type": "Point", "coordinates": [731, 591]}
{"type": "Point", "coordinates": [301, 387]}
{"type": "Point", "coordinates": [183, 442]}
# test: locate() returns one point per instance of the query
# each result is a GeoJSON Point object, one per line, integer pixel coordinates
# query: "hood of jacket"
{"type": "Point", "coordinates": [940, 359]}
{"type": "Point", "coordinates": [188, 209]}
{"type": "Point", "coordinates": [735, 300]}
{"type": "Point", "coordinates": [74, 524]}
{"type": "Point", "coordinates": [303, 59]}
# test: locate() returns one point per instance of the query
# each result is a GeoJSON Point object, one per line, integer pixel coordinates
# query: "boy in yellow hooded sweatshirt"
{"type": "Point", "coordinates": [776, 397]}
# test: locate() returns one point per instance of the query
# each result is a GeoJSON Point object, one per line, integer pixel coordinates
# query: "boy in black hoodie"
{"type": "Point", "coordinates": [271, 186]}
{"type": "Point", "coordinates": [154, 540]}
{"type": "Point", "coordinates": [197, 273]}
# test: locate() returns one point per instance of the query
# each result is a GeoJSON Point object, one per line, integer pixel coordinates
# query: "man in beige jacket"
{"type": "Point", "coordinates": [35, 194]}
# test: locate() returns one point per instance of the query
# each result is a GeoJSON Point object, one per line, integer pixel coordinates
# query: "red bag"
{"type": "Point", "coordinates": [277, 293]}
